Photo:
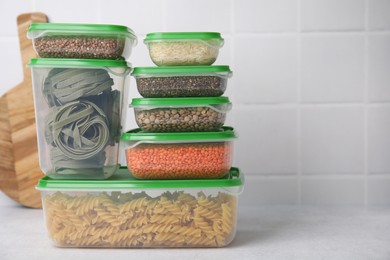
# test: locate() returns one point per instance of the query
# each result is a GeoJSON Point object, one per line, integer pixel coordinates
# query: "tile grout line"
{"type": "Point", "coordinates": [314, 33]}
{"type": "Point", "coordinates": [232, 65]}
{"type": "Point", "coordinates": [299, 110]}
{"type": "Point", "coordinates": [312, 105]}
{"type": "Point", "coordinates": [232, 49]}
{"type": "Point", "coordinates": [365, 101]}
{"type": "Point", "coordinates": [323, 176]}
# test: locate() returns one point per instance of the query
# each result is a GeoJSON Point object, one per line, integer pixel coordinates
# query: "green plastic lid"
{"type": "Point", "coordinates": [52, 62]}
{"type": "Point", "coordinates": [94, 29]}
{"type": "Point", "coordinates": [122, 180]}
{"type": "Point", "coordinates": [187, 101]}
{"type": "Point", "coordinates": [158, 36]}
{"type": "Point", "coordinates": [138, 135]}
{"type": "Point", "coordinates": [166, 70]}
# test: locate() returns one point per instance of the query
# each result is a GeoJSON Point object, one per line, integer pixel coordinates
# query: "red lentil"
{"type": "Point", "coordinates": [180, 161]}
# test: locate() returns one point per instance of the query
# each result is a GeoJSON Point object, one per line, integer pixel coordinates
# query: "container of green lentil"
{"type": "Point", "coordinates": [203, 114]}
{"type": "Point", "coordinates": [82, 41]}
{"type": "Point", "coordinates": [182, 81]}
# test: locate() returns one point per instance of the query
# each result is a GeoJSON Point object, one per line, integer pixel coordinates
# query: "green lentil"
{"type": "Point", "coordinates": [184, 119]}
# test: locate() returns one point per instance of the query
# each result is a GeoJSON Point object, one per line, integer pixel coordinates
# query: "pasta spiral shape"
{"type": "Point", "coordinates": [173, 219]}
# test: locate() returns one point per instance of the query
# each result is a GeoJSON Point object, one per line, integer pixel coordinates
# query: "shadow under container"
{"type": "Point", "coordinates": [203, 114]}
{"type": "Point", "coordinates": [126, 212]}
{"type": "Point", "coordinates": [182, 81]}
{"type": "Point", "coordinates": [82, 41]}
{"type": "Point", "coordinates": [183, 48]}
{"type": "Point", "coordinates": [192, 155]}
{"type": "Point", "coordinates": [78, 116]}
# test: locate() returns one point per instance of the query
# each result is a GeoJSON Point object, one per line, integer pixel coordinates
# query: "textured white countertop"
{"type": "Point", "coordinates": [266, 232]}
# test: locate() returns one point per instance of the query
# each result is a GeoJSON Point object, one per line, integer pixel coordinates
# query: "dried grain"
{"type": "Point", "coordinates": [178, 53]}
{"type": "Point", "coordinates": [184, 119]}
{"type": "Point", "coordinates": [185, 86]}
{"type": "Point", "coordinates": [83, 47]}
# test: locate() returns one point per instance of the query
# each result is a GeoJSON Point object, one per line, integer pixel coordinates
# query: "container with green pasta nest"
{"type": "Point", "coordinates": [78, 111]}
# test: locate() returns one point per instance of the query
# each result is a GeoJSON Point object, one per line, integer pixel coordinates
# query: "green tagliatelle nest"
{"type": "Point", "coordinates": [83, 118]}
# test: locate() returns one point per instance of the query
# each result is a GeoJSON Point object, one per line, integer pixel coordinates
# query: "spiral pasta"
{"type": "Point", "coordinates": [175, 219]}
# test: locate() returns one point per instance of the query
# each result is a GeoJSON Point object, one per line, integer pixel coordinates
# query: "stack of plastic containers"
{"type": "Point", "coordinates": [88, 199]}
{"type": "Point", "coordinates": [78, 83]}
{"type": "Point", "coordinates": [182, 112]}
{"type": "Point", "coordinates": [182, 137]}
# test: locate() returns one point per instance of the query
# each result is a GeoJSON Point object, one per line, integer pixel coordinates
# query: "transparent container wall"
{"type": "Point", "coordinates": [197, 217]}
{"type": "Point", "coordinates": [154, 86]}
{"type": "Point", "coordinates": [83, 46]}
{"type": "Point", "coordinates": [184, 52]}
{"type": "Point", "coordinates": [208, 118]}
{"type": "Point", "coordinates": [179, 160]}
{"type": "Point", "coordinates": [78, 112]}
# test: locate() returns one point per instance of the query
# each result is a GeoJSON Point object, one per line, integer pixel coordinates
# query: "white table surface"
{"type": "Point", "coordinates": [267, 232]}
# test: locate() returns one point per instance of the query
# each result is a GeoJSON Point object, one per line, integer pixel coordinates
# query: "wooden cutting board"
{"type": "Point", "coordinates": [19, 168]}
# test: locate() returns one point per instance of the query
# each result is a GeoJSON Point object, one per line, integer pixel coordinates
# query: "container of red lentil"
{"type": "Point", "coordinates": [200, 114]}
{"type": "Point", "coordinates": [193, 155]}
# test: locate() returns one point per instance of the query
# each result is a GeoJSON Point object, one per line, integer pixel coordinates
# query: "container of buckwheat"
{"type": "Point", "coordinates": [82, 41]}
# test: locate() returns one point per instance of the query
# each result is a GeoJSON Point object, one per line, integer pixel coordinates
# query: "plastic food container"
{"type": "Point", "coordinates": [125, 212]}
{"type": "Point", "coordinates": [179, 155]}
{"type": "Point", "coordinates": [184, 48]}
{"type": "Point", "coordinates": [78, 111]}
{"type": "Point", "coordinates": [182, 81]}
{"type": "Point", "coordinates": [205, 114]}
{"type": "Point", "coordinates": [82, 41]}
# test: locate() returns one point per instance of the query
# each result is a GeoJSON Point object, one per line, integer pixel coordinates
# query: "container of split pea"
{"type": "Point", "coordinates": [191, 155]}
{"type": "Point", "coordinates": [200, 114]}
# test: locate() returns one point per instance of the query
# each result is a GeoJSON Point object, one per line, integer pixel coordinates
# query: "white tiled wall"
{"type": "Point", "coordinates": [311, 85]}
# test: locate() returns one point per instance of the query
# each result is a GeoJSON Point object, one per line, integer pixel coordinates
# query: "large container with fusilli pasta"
{"type": "Point", "coordinates": [78, 115]}
{"type": "Point", "coordinates": [125, 212]}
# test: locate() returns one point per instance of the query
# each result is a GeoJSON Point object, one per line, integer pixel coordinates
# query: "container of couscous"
{"type": "Point", "coordinates": [125, 212]}
{"type": "Point", "coordinates": [203, 114]}
{"type": "Point", "coordinates": [183, 48]}
{"type": "Point", "coordinates": [179, 155]}
{"type": "Point", "coordinates": [182, 81]}
{"type": "Point", "coordinates": [82, 41]}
